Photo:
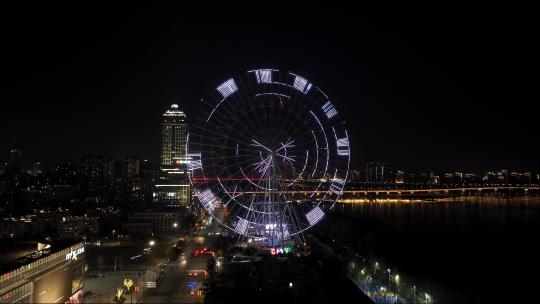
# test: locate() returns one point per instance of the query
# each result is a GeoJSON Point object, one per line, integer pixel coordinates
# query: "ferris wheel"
{"type": "Point", "coordinates": [267, 154]}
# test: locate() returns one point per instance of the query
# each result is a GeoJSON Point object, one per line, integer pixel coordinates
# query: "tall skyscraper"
{"type": "Point", "coordinates": [172, 185]}
{"type": "Point", "coordinates": [173, 137]}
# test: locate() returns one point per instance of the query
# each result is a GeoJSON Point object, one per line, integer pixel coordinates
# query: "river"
{"type": "Point", "coordinates": [466, 249]}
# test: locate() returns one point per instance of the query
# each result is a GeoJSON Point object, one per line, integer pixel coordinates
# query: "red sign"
{"type": "Point", "coordinates": [76, 298]}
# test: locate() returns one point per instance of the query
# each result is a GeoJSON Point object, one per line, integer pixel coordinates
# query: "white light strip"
{"type": "Point", "coordinates": [208, 199]}
{"type": "Point", "coordinates": [327, 151]}
{"type": "Point", "coordinates": [241, 226]}
{"type": "Point", "coordinates": [301, 84]}
{"type": "Point", "coordinates": [195, 161]}
{"type": "Point", "coordinates": [263, 165]}
{"type": "Point", "coordinates": [263, 76]}
{"type": "Point", "coordinates": [337, 186]}
{"type": "Point", "coordinates": [329, 109]}
{"type": "Point", "coordinates": [172, 185]}
{"type": "Point", "coordinates": [288, 144]}
{"type": "Point", "coordinates": [317, 155]}
{"type": "Point", "coordinates": [227, 88]}
{"type": "Point", "coordinates": [304, 168]}
{"type": "Point", "coordinates": [234, 193]}
{"type": "Point", "coordinates": [315, 215]}
{"type": "Point", "coordinates": [343, 146]}
{"type": "Point", "coordinates": [276, 94]}
{"type": "Point", "coordinates": [249, 180]}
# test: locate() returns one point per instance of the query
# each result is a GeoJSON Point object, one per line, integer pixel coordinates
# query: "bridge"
{"type": "Point", "coordinates": [398, 192]}
{"type": "Point", "coordinates": [440, 190]}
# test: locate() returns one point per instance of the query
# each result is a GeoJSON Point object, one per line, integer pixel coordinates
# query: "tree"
{"type": "Point", "coordinates": [210, 282]}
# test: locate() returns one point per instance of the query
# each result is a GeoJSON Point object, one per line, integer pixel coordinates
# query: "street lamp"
{"type": "Point", "coordinates": [152, 243]}
{"type": "Point", "coordinates": [175, 225]}
{"type": "Point", "coordinates": [427, 298]}
{"type": "Point", "coordinates": [396, 279]}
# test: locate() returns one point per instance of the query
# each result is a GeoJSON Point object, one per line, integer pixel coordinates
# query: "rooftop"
{"type": "Point", "coordinates": [14, 254]}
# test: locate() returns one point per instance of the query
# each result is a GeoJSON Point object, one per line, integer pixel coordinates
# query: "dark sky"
{"type": "Point", "coordinates": [423, 88]}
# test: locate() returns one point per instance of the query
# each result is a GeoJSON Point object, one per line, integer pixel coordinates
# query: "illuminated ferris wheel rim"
{"type": "Point", "coordinates": [264, 77]}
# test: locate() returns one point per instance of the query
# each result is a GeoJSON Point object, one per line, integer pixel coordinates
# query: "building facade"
{"type": "Point", "coordinates": [378, 172]}
{"type": "Point", "coordinates": [49, 275]}
{"type": "Point", "coordinates": [152, 221]}
{"type": "Point", "coordinates": [173, 137]}
{"type": "Point", "coordinates": [98, 172]}
{"type": "Point", "coordinates": [172, 187]}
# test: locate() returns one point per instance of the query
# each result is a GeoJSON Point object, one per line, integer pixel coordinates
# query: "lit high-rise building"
{"type": "Point", "coordinates": [172, 187]}
{"type": "Point", "coordinates": [173, 137]}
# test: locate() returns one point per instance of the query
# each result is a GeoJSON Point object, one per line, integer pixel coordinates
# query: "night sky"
{"type": "Point", "coordinates": [424, 88]}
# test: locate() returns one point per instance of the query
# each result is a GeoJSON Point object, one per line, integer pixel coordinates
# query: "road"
{"type": "Point", "coordinates": [183, 279]}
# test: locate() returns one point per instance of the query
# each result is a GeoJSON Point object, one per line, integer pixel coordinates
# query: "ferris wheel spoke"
{"type": "Point", "coordinates": [257, 144]}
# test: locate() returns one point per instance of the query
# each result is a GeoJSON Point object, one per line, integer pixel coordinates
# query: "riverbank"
{"type": "Point", "coordinates": [477, 248]}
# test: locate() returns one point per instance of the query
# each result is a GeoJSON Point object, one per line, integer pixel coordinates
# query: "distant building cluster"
{"type": "Point", "coordinates": [381, 173]}
{"type": "Point", "coordinates": [96, 178]}
{"type": "Point", "coordinates": [147, 222]}
{"type": "Point", "coordinates": [61, 224]}
{"type": "Point", "coordinates": [67, 199]}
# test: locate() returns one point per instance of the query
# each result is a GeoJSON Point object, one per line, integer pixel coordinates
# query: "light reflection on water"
{"type": "Point", "coordinates": [489, 242]}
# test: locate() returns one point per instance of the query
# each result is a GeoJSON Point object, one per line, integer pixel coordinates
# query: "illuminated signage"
{"type": "Point", "coordinates": [274, 251]}
{"type": "Point", "coordinates": [76, 298]}
{"type": "Point", "coordinates": [73, 255]}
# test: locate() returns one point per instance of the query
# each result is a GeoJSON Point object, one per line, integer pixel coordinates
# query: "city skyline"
{"type": "Point", "coordinates": [174, 128]}
{"type": "Point", "coordinates": [400, 86]}
{"type": "Point", "coordinates": [338, 153]}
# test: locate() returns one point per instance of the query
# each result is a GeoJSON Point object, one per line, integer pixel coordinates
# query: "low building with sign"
{"type": "Point", "coordinates": [49, 273]}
